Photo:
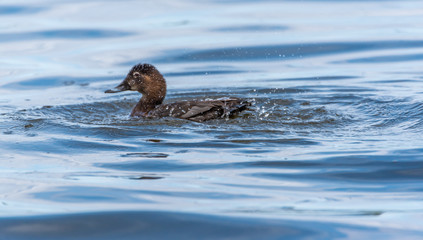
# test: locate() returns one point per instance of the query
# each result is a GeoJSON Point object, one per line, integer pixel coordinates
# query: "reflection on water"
{"type": "Point", "coordinates": [330, 149]}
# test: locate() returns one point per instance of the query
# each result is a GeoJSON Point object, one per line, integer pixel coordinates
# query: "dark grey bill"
{"type": "Point", "coordinates": [120, 88]}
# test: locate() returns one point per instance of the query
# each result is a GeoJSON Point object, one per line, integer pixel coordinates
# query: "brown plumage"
{"type": "Point", "coordinates": [147, 80]}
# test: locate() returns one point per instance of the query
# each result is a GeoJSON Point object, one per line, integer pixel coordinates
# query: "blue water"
{"type": "Point", "coordinates": [332, 148]}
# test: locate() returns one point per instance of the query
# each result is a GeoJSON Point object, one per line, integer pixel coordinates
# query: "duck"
{"type": "Point", "coordinates": [147, 80]}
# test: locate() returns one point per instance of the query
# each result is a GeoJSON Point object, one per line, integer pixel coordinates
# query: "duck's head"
{"type": "Point", "coordinates": [144, 78]}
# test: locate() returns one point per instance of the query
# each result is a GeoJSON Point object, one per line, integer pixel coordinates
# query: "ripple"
{"type": "Point", "coordinates": [254, 28]}
{"type": "Point", "coordinates": [147, 178]}
{"type": "Point", "coordinates": [103, 194]}
{"type": "Point", "coordinates": [89, 194]}
{"type": "Point", "coordinates": [361, 169]}
{"type": "Point", "coordinates": [149, 225]}
{"type": "Point", "coordinates": [320, 212]}
{"type": "Point", "coordinates": [160, 166]}
{"type": "Point", "coordinates": [64, 146]}
{"type": "Point", "coordinates": [146, 155]}
{"type": "Point", "coordinates": [62, 34]}
{"type": "Point", "coordinates": [201, 73]}
{"type": "Point", "coordinates": [389, 113]}
{"type": "Point", "coordinates": [385, 59]}
{"type": "Point", "coordinates": [10, 10]}
{"type": "Point", "coordinates": [270, 142]}
{"type": "Point", "coordinates": [285, 51]}
{"type": "Point", "coordinates": [315, 78]}
{"type": "Point", "coordinates": [55, 81]}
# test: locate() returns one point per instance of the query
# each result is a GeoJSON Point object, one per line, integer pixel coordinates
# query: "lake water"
{"type": "Point", "coordinates": [332, 148]}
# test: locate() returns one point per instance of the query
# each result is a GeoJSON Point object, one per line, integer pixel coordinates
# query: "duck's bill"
{"type": "Point", "coordinates": [113, 91]}
{"type": "Point", "coordinates": [120, 88]}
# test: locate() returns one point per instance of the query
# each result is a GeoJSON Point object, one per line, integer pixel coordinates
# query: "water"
{"type": "Point", "coordinates": [331, 150]}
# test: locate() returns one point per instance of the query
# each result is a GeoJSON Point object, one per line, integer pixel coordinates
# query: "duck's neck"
{"type": "Point", "coordinates": [153, 94]}
{"type": "Point", "coordinates": [145, 105]}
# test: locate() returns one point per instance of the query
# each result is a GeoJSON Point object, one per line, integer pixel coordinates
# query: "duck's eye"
{"type": "Point", "coordinates": [136, 74]}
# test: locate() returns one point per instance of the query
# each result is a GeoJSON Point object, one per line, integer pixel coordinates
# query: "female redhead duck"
{"type": "Point", "coordinates": [147, 80]}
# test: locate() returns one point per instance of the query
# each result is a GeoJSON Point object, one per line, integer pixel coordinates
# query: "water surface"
{"type": "Point", "coordinates": [331, 149]}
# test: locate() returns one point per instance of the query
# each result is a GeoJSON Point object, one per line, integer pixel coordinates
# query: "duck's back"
{"type": "Point", "coordinates": [201, 111]}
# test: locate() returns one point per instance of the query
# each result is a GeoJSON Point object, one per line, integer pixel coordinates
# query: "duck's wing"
{"type": "Point", "coordinates": [201, 111]}
{"type": "Point", "coordinates": [197, 110]}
